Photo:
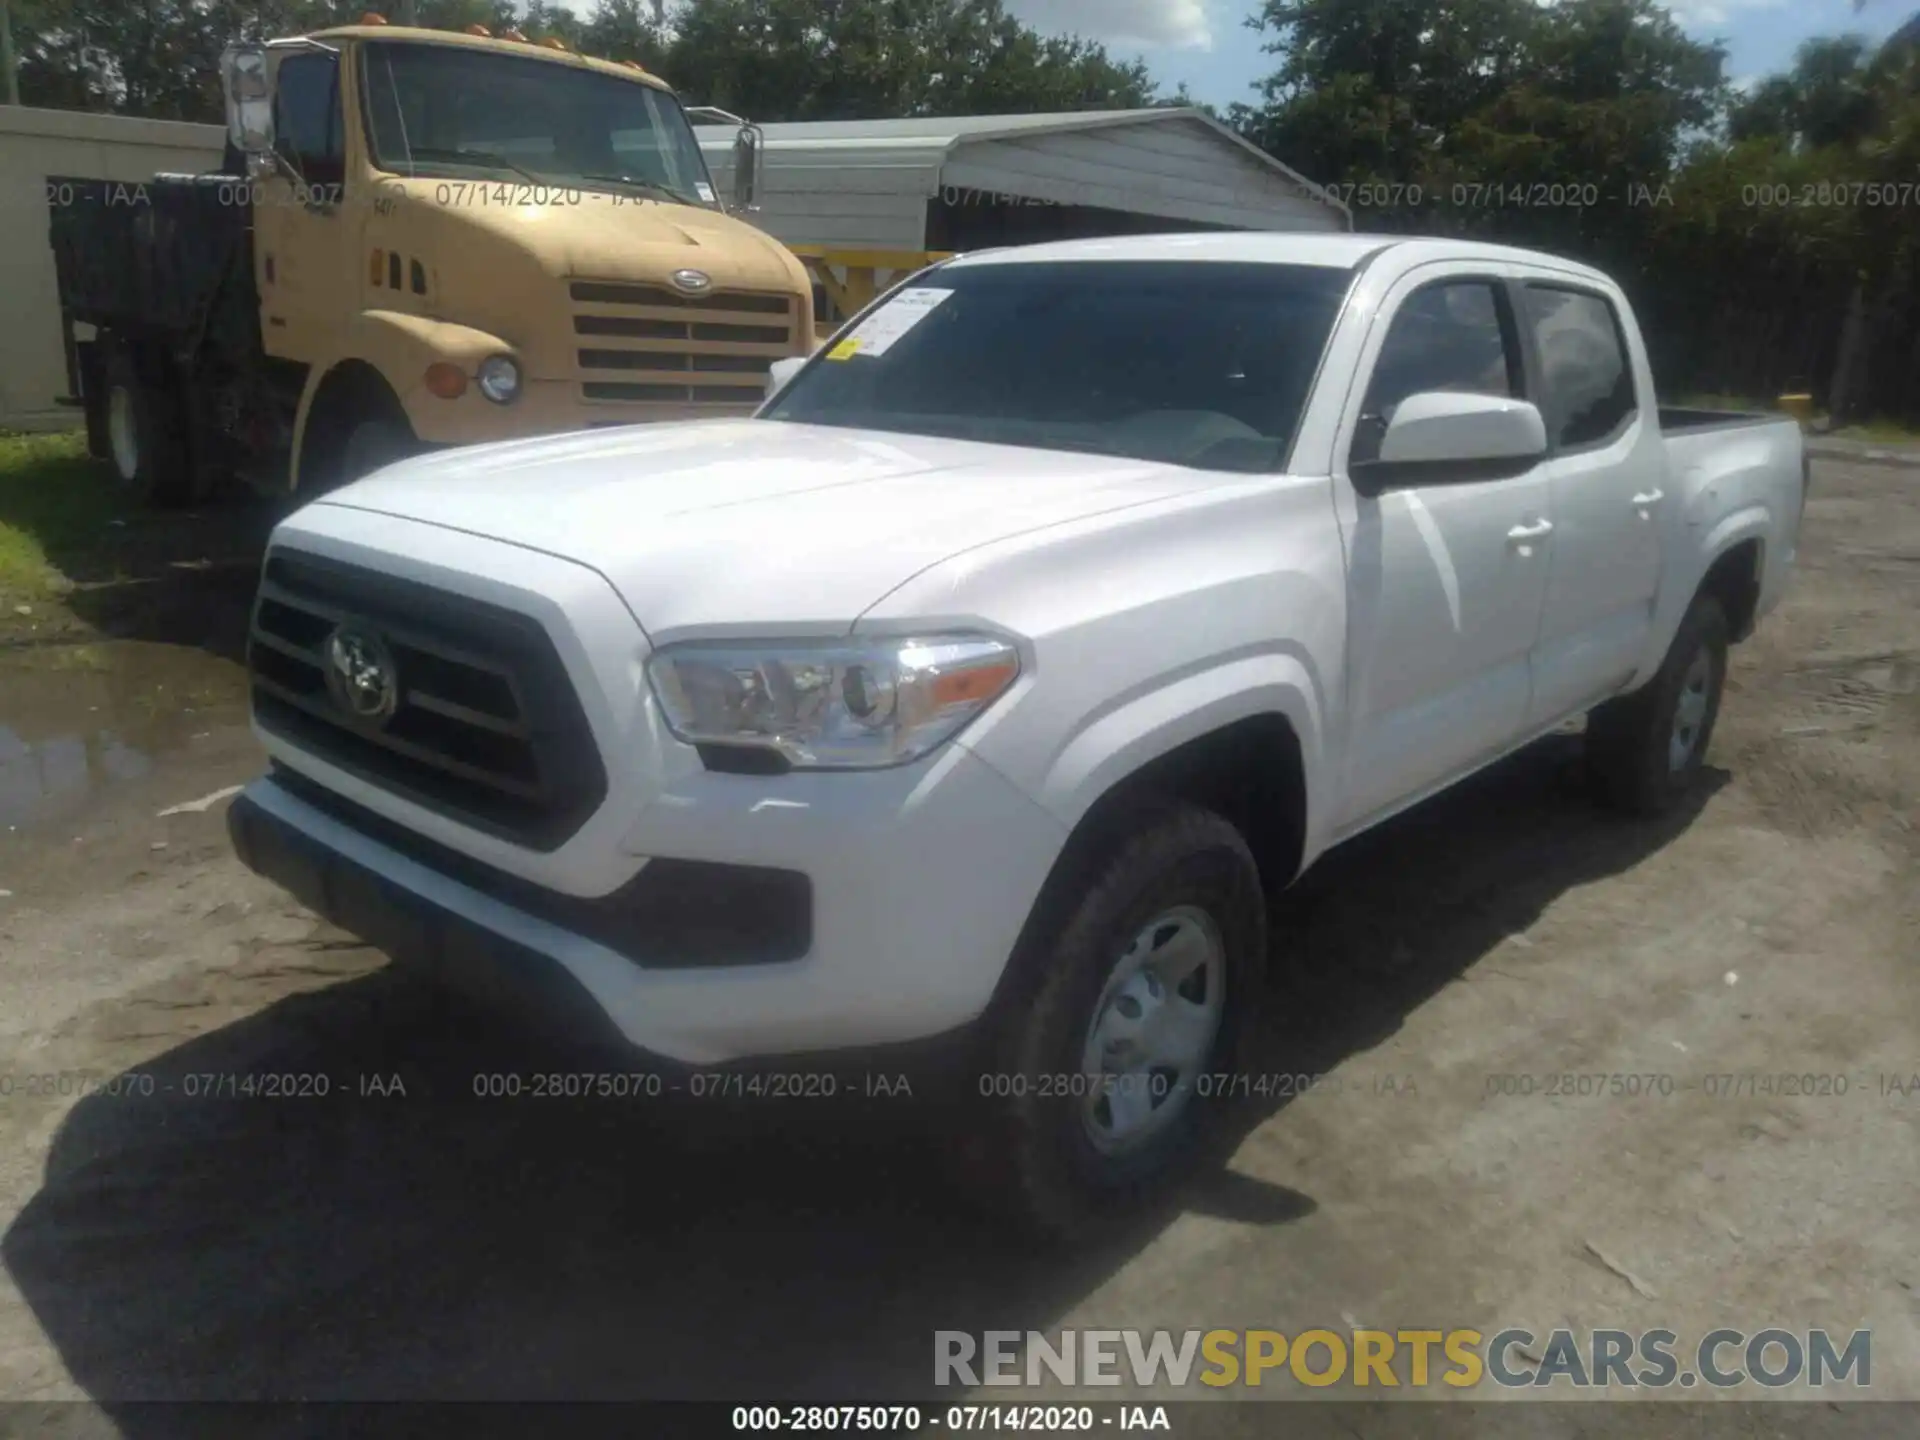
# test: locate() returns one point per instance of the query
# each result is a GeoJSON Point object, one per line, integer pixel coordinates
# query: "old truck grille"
{"type": "Point", "coordinates": [648, 343]}
{"type": "Point", "coordinates": [482, 723]}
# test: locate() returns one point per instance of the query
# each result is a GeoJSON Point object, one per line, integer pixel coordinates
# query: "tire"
{"type": "Point", "coordinates": [1172, 879]}
{"type": "Point", "coordinates": [143, 426]}
{"type": "Point", "coordinates": [374, 442]}
{"type": "Point", "coordinates": [1645, 750]}
{"type": "Point", "coordinates": [92, 388]}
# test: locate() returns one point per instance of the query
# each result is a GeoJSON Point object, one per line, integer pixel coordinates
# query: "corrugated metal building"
{"type": "Point", "coordinates": [972, 182]}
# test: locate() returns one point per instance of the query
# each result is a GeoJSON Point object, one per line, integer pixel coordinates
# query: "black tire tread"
{"type": "Point", "coordinates": [165, 476]}
{"type": "Point", "coordinates": [1010, 1162]}
{"type": "Point", "coordinates": [1627, 738]}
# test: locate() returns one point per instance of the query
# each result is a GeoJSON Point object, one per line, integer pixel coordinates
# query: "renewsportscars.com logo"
{"type": "Point", "coordinates": [1772, 1358]}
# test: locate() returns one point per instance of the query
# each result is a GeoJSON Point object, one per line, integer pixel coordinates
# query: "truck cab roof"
{"type": "Point", "coordinates": [492, 44]}
{"type": "Point", "coordinates": [1338, 251]}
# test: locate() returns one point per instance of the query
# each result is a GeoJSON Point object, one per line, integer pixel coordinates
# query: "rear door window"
{"type": "Point", "coordinates": [1589, 398]}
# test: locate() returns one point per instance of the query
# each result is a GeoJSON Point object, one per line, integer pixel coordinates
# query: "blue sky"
{"type": "Point", "coordinates": [1205, 42]}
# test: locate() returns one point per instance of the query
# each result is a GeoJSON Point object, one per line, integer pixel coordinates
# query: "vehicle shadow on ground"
{"type": "Point", "coordinates": [178, 577]}
{"type": "Point", "coordinates": [442, 1245]}
{"type": "Point", "coordinates": [1387, 920]}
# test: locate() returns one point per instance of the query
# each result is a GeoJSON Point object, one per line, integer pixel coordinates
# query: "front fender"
{"type": "Point", "coordinates": [401, 347]}
{"type": "Point", "coordinates": [1120, 739]}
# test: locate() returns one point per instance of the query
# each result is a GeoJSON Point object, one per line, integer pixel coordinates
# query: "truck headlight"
{"type": "Point", "coordinates": [499, 378]}
{"type": "Point", "coordinates": [835, 705]}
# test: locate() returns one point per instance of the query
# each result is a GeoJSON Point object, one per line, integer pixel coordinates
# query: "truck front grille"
{"type": "Point", "coordinates": [648, 343]}
{"type": "Point", "coordinates": [478, 718]}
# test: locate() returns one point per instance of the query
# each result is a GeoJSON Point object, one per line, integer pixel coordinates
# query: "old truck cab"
{"type": "Point", "coordinates": [419, 238]}
{"type": "Point", "coordinates": [504, 238]}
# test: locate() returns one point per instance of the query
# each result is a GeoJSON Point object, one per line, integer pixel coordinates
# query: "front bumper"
{"type": "Point", "coordinates": [413, 925]}
{"type": "Point", "coordinates": [919, 880]}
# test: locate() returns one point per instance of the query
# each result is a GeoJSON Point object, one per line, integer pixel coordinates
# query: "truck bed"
{"type": "Point", "coordinates": [1681, 420]}
{"type": "Point", "coordinates": [147, 257]}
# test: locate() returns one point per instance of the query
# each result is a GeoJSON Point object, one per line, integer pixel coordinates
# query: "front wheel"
{"type": "Point", "coordinates": [1645, 750]}
{"type": "Point", "coordinates": [1105, 1085]}
{"type": "Point", "coordinates": [374, 443]}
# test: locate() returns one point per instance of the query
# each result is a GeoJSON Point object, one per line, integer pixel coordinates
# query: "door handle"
{"type": "Point", "coordinates": [1649, 497]}
{"type": "Point", "coordinates": [1521, 534]}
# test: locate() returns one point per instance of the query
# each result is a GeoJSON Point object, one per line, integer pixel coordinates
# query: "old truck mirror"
{"type": "Point", "coordinates": [749, 148]}
{"type": "Point", "coordinates": [249, 91]}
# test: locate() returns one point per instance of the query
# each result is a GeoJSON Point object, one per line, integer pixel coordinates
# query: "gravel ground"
{"type": "Point", "coordinates": [401, 1238]}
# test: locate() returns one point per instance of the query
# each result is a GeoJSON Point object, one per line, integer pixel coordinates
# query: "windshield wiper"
{"type": "Point", "coordinates": [651, 187]}
{"type": "Point", "coordinates": [483, 157]}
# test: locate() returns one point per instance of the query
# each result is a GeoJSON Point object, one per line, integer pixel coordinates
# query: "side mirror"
{"type": "Point", "coordinates": [1439, 436]}
{"type": "Point", "coordinates": [749, 152]}
{"type": "Point", "coordinates": [249, 91]}
{"type": "Point", "coordinates": [780, 374]}
{"type": "Point", "coordinates": [748, 147]}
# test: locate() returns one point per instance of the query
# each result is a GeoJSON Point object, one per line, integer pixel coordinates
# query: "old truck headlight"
{"type": "Point", "coordinates": [499, 378]}
{"type": "Point", "coordinates": [834, 705]}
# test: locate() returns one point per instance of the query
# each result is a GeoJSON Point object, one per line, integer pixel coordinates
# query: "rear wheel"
{"type": "Point", "coordinates": [142, 422]}
{"type": "Point", "coordinates": [1101, 1090]}
{"type": "Point", "coordinates": [1645, 750]}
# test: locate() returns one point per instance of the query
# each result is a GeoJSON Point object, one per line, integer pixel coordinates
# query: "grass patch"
{"type": "Point", "coordinates": [55, 503]}
{"type": "Point", "coordinates": [1891, 432]}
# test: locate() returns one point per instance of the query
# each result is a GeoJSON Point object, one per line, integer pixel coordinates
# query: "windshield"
{"type": "Point", "coordinates": [438, 110]}
{"type": "Point", "coordinates": [1198, 364]}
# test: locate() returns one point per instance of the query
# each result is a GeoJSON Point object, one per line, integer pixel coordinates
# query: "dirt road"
{"type": "Point", "coordinates": [378, 1244]}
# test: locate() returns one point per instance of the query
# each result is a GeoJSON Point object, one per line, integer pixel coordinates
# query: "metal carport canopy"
{"type": "Point", "coordinates": [867, 183]}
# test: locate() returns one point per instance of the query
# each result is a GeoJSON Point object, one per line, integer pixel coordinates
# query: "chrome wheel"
{"type": "Point", "coordinates": [1690, 713]}
{"type": "Point", "coordinates": [1153, 1028]}
{"type": "Point", "coordinates": [123, 433]}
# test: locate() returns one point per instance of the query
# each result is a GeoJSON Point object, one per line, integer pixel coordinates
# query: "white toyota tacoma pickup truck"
{"type": "Point", "coordinates": [988, 683]}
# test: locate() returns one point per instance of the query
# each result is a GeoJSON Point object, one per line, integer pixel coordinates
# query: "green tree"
{"type": "Point", "coordinates": [772, 59]}
{"type": "Point", "coordinates": [878, 59]}
{"type": "Point", "coordinates": [1480, 93]}
{"type": "Point", "coordinates": [625, 30]}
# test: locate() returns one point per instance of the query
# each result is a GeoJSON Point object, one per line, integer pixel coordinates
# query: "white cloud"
{"type": "Point", "coordinates": [1172, 24]}
{"type": "Point", "coordinates": [1695, 13]}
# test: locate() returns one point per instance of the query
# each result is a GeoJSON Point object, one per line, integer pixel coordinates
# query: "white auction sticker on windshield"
{"type": "Point", "coordinates": [883, 329]}
{"type": "Point", "coordinates": [706, 190]}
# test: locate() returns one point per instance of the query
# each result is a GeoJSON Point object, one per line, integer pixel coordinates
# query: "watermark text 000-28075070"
{"type": "Point", "coordinates": [1762, 1360]}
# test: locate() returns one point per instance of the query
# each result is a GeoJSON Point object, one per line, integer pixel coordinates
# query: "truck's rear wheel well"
{"type": "Point", "coordinates": [350, 392]}
{"type": "Point", "coordinates": [1251, 772]}
{"type": "Point", "coordinates": [1734, 580]}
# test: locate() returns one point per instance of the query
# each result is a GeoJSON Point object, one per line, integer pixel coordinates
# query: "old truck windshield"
{"type": "Point", "coordinates": [442, 110]}
{"type": "Point", "coordinates": [1200, 364]}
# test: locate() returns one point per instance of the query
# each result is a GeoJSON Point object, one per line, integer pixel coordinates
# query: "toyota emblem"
{"type": "Point", "coordinates": [692, 282]}
{"type": "Point", "coordinates": [360, 674]}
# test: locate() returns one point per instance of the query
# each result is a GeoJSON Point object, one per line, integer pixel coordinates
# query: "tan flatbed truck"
{"type": "Point", "coordinates": [419, 238]}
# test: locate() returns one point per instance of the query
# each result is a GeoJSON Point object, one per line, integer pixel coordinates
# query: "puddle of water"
{"type": "Point", "coordinates": [77, 721]}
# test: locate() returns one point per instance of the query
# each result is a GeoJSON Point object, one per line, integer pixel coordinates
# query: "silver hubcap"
{"type": "Point", "coordinates": [121, 435]}
{"type": "Point", "coordinates": [1153, 1029]}
{"type": "Point", "coordinates": [1691, 713]}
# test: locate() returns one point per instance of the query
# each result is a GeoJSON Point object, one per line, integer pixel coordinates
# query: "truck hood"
{"type": "Point", "coordinates": [756, 525]}
{"type": "Point", "coordinates": [621, 237]}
